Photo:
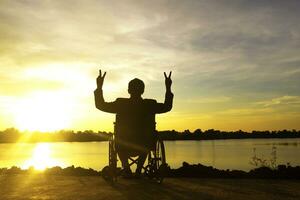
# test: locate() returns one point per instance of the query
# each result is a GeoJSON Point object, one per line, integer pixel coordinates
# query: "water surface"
{"type": "Point", "coordinates": [222, 154]}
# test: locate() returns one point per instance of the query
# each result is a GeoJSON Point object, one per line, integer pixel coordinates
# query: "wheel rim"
{"type": "Point", "coordinates": [160, 156]}
{"type": "Point", "coordinates": [157, 162]}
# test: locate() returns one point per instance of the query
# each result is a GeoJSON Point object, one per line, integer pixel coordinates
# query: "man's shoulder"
{"type": "Point", "coordinates": [150, 101]}
{"type": "Point", "coordinates": [122, 99]}
{"type": "Point", "coordinates": [127, 100]}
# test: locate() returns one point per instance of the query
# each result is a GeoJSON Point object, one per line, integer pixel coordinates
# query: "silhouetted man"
{"type": "Point", "coordinates": [135, 119]}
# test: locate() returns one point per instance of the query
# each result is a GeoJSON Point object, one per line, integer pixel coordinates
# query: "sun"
{"type": "Point", "coordinates": [41, 158]}
{"type": "Point", "coordinates": [42, 112]}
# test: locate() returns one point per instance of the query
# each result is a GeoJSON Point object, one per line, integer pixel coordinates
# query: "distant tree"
{"type": "Point", "coordinates": [198, 131]}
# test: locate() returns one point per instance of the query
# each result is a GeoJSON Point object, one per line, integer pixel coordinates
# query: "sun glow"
{"type": "Point", "coordinates": [43, 112]}
{"type": "Point", "coordinates": [41, 158]}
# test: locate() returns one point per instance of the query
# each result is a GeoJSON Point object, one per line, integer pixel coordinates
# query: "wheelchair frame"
{"type": "Point", "coordinates": [154, 169]}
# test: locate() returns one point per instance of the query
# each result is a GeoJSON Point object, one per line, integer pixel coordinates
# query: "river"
{"type": "Point", "coordinates": [222, 154]}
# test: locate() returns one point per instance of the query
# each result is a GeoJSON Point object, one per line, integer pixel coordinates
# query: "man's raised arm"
{"type": "Point", "coordinates": [168, 104]}
{"type": "Point", "coordinates": [99, 100]}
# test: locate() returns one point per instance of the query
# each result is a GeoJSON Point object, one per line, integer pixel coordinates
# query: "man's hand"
{"type": "Point", "coordinates": [168, 80]}
{"type": "Point", "coordinates": [100, 79]}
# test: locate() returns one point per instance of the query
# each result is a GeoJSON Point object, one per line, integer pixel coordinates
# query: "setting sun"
{"type": "Point", "coordinates": [41, 158]}
{"type": "Point", "coordinates": [42, 112]}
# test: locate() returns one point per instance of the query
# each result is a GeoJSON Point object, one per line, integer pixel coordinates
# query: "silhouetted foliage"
{"type": "Point", "coordinates": [201, 171]}
{"type": "Point", "coordinates": [261, 162]}
{"type": "Point", "coordinates": [68, 171]}
{"type": "Point", "coordinates": [186, 170]}
{"type": "Point", "coordinates": [212, 134]}
{"type": "Point", "coordinates": [14, 135]}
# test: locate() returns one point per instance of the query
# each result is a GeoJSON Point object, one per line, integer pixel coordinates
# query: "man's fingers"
{"type": "Point", "coordinates": [100, 74]}
{"type": "Point", "coordinates": [165, 74]}
{"type": "Point", "coordinates": [170, 74]}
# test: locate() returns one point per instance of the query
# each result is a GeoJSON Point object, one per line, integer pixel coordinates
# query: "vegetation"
{"type": "Point", "coordinates": [212, 134]}
{"type": "Point", "coordinates": [186, 170]}
{"type": "Point", "coordinates": [261, 162]}
{"type": "Point", "coordinates": [201, 171]}
{"type": "Point", "coordinates": [14, 135]}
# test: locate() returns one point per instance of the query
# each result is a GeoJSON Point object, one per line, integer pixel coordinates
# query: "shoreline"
{"type": "Point", "coordinates": [167, 140]}
{"type": "Point", "coordinates": [12, 135]}
{"type": "Point", "coordinates": [186, 170]}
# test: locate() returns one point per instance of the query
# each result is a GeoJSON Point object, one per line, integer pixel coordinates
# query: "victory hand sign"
{"type": "Point", "coordinates": [168, 81]}
{"type": "Point", "coordinates": [100, 79]}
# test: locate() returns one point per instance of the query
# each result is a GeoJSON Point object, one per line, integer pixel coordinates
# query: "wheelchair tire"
{"type": "Point", "coordinates": [157, 163]}
{"type": "Point", "coordinates": [109, 174]}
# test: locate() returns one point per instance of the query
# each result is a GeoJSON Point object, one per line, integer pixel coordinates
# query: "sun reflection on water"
{"type": "Point", "coordinates": [41, 158]}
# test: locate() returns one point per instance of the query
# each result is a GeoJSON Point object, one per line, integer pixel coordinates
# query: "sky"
{"type": "Point", "coordinates": [235, 63]}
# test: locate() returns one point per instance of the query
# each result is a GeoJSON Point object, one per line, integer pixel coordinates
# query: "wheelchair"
{"type": "Point", "coordinates": [154, 167]}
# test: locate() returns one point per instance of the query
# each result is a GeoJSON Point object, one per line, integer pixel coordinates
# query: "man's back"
{"type": "Point", "coordinates": [135, 123]}
{"type": "Point", "coordinates": [135, 118]}
{"type": "Point", "coordinates": [136, 114]}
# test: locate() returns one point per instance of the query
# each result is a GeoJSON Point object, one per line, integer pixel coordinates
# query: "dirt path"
{"type": "Point", "coordinates": [16, 187]}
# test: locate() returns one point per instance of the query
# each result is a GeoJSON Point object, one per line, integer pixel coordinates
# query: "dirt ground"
{"type": "Point", "coordinates": [17, 187]}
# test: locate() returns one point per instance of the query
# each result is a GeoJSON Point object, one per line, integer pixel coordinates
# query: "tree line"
{"type": "Point", "coordinates": [14, 135]}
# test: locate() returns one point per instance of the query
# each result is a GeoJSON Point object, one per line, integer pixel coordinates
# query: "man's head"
{"type": "Point", "coordinates": [136, 87]}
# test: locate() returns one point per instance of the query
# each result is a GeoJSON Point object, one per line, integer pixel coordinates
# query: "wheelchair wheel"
{"type": "Point", "coordinates": [157, 162]}
{"type": "Point", "coordinates": [110, 172]}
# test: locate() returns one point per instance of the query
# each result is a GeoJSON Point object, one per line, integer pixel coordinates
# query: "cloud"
{"type": "Point", "coordinates": [279, 106]}
{"type": "Point", "coordinates": [248, 112]}
{"type": "Point", "coordinates": [209, 100]}
{"type": "Point", "coordinates": [281, 101]}
{"type": "Point", "coordinates": [232, 52]}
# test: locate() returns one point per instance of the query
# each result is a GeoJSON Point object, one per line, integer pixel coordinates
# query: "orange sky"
{"type": "Point", "coordinates": [235, 64]}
